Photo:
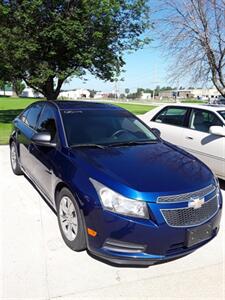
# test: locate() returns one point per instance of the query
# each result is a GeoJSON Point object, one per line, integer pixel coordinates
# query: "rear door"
{"type": "Point", "coordinates": [171, 121]}
{"type": "Point", "coordinates": [204, 145]}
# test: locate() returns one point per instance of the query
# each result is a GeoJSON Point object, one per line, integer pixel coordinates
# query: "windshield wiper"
{"type": "Point", "coordinates": [130, 143]}
{"type": "Point", "coordinates": [88, 146]}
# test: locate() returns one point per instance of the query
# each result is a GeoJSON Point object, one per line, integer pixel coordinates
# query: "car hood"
{"type": "Point", "coordinates": [159, 168]}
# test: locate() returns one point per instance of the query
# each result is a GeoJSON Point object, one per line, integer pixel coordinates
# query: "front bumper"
{"type": "Point", "coordinates": [145, 242]}
{"type": "Point", "coordinates": [147, 259]}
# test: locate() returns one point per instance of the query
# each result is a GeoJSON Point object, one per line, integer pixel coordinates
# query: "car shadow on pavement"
{"type": "Point", "coordinates": [46, 201]}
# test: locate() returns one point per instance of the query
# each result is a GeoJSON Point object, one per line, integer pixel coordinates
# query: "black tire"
{"type": "Point", "coordinates": [79, 241]}
{"type": "Point", "coordinates": [14, 159]}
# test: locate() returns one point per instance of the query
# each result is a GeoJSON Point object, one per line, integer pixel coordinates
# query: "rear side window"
{"type": "Point", "coordinates": [202, 120]}
{"type": "Point", "coordinates": [47, 123]}
{"type": "Point", "coordinates": [33, 114]}
{"type": "Point", "coordinates": [172, 115]}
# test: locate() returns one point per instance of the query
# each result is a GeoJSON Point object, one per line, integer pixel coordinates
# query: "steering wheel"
{"type": "Point", "coordinates": [119, 132]}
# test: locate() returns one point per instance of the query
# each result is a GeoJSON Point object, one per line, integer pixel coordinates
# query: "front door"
{"type": "Point", "coordinates": [44, 157]}
{"type": "Point", "coordinates": [171, 121]}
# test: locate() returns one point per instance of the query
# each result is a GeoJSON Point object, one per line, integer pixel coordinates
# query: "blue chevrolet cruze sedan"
{"type": "Point", "coordinates": [119, 190]}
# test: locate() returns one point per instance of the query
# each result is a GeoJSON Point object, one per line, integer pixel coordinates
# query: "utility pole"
{"type": "Point", "coordinates": [115, 89]}
{"type": "Point", "coordinates": [154, 80]}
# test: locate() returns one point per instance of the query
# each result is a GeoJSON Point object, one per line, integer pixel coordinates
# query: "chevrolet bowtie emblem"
{"type": "Point", "coordinates": [196, 202]}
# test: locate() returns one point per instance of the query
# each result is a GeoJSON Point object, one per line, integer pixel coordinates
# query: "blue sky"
{"type": "Point", "coordinates": [145, 68]}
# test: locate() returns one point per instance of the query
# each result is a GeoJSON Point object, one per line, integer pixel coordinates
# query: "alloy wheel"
{"type": "Point", "coordinates": [13, 156]}
{"type": "Point", "coordinates": [68, 218]}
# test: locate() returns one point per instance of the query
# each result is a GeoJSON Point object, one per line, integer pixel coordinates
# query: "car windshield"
{"type": "Point", "coordinates": [222, 113]}
{"type": "Point", "coordinates": [104, 127]}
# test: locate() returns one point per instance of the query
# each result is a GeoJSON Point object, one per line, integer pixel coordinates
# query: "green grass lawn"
{"type": "Point", "coordinates": [194, 101]}
{"type": "Point", "coordinates": [137, 109]}
{"type": "Point", "coordinates": [11, 107]}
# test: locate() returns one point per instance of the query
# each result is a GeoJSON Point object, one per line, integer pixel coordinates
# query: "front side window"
{"type": "Point", "coordinates": [172, 116]}
{"type": "Point", "coordinates": [202, 120]}
{"type": "Point", "coordinates": [104, 127]}
{"type": "Point", "coordinates": [33, 114]}
{"type": "Point", "coordinates": [47, 123]}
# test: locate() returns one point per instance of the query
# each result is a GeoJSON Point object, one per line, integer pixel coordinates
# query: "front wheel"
{"type": "Point", "coordinates": [14, 159]}
{"type": "Point", "coordinates": [70, 221]}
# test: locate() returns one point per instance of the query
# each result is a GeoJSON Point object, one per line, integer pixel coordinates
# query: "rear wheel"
{"type": "Point", "coordinates": [14, 159]}
{"type": "Point", "coordinates": [70, 221]}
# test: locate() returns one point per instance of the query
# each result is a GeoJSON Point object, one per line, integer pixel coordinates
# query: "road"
{"type": "Point", "coordinates": [36, 264]}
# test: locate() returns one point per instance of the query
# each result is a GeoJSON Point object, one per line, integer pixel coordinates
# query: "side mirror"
{"type": "Point", "coordinates": [156, 131]}
{"type": "Point", "coordinates": [43, 139]}
{"type": "Point", "coordinates": [217, 130]}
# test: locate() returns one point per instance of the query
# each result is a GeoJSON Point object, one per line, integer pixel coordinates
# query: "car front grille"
{"type": "Point", "coordinates": [189, 216]}
{"type": "Point", "coordinates": [187, 196]}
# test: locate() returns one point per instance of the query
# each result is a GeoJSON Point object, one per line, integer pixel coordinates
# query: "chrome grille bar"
{"type": "Point", "coordinates": [187, 196]}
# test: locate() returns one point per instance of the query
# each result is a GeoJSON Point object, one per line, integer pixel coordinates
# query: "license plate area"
{"type": "Point", "coordinates": [198, 235]}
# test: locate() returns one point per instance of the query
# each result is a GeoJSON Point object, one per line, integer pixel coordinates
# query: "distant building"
{"type": "Point", "coordinates": [146, 96]}
{"type": "Point", "coordinates": [99, 95]}
{"type": "Point", "coordinates": [205, 94]}
{"type": "Point", "coordinates": [30, 93]}
{"type": "Point", "coordinates": [103, 95]}
{"type": "Point", "coordinates": [166, 94]}
{"type": "Point", "coordinates": [6, 93]}
{"type": "Point", "coordinates": [202, 94]}
{"type": "Point", "coordinates": [75, 94]}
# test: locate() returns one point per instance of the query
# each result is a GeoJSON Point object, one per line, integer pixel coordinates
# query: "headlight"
{"type": "Point", "coordinates": [117, 203]}
{"type": "Point", "coordinates": [217, 185]}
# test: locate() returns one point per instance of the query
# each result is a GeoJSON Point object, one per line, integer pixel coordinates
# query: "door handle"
{"type": "Point", "coordinates": [188, 137]}
{"type": "Point", "coordinates": [48, 171]}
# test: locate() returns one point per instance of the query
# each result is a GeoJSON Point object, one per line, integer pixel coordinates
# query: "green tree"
{"type": "Point", "coordinates": [2, 85]}
{"type": "Point", "coordinates": [5, 86]}
{"type": "Point", "coordinates": [45, 42]}
{"type": "Point", "coordinates": [127, 91]}
{"type": "Point", "coordinates": [139, 92]}
{"type": "Point", "coordinates": [18, 87]}
{"type": "Point", "coordinates": [92, 93]}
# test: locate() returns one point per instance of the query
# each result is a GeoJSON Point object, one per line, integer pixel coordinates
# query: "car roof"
{"type": "Point", "coordinates": [210, 107]}
{"type": "Point", "coordinates": [88, 105]}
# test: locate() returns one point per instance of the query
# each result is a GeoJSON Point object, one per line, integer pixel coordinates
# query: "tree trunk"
{"type": "Point", "coordinates": [47, 88]}
{"type": "Point", "coordinates": [49, 91]}
{"type": "Point", "coordinates": [51, 96]}
{"type": "Point", "coordinates": [14, 93]}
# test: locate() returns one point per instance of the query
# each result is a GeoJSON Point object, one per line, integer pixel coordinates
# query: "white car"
{"type": "Point", "coordinates": [198, 129]}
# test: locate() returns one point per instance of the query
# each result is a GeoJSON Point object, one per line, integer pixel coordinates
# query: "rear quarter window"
{"type": "Point", "coordinates": [23, 116]}
{"type": "Point", "coordinates": [33, 115]}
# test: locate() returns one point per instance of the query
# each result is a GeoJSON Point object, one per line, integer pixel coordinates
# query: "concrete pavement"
{"type": "Point", "coordinates": [36, 264]}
